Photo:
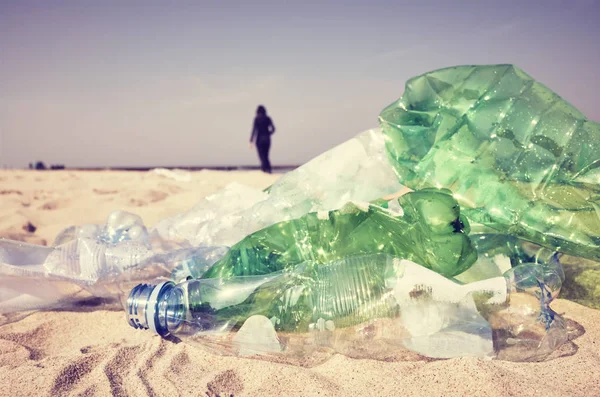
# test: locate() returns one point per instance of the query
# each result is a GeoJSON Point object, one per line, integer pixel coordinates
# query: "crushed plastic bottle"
{"type": "Point", "coordinates": [516, 156]}
{"type": "Point", "coordinates": [120, 226]}
{"type": "Point", "coordinates": [425, 227]}
{"type": "Point", "coordinates": [374, 306]}
{"type": "Point", "coordinates": [36, 277]}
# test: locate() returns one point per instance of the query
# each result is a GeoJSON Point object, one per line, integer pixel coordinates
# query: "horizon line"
{"type": "Point", "coordinates": [56, 167]}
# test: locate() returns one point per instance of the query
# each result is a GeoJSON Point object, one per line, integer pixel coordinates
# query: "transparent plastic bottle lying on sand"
{"type": "Point", "coordinates": [373, 306]}
{"type": "Point", "coordinates": [90, 262]}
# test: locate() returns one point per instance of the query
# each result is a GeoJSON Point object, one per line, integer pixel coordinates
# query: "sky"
{"type": "Point", "coordinates": [154, 83]}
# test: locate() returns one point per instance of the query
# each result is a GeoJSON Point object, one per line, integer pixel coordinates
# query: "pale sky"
{"type": "Point", "coordinates": [154, 83]}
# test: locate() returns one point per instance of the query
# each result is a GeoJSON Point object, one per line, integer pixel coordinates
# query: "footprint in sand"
{"type": "Point", "coordinates": [227, 383]}
{"type": "Point", "coordinates": [172, 189]}
{"type": "Point", "coordinates": [11, 191]}
{"type": "Point", "coordinates": [104, 191]}
{"type": "Point", "coordinates": [179, 363]}
{"type": "Point", "coordinates": [54, 204]}
{"type": "Point", "coordinates": [13, 353]}
{"type": "Point", "coordinates": [74, 373]}
{"type": "Point", "coordinates": [151, 196]}
{"type": "Point", "coordinates": [33, 340]}
{"type": "Point", "coordinates": [119, 367]}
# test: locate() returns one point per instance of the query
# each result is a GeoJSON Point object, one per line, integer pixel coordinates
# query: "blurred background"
{"type": "Point", "coordinates": [151, 83]}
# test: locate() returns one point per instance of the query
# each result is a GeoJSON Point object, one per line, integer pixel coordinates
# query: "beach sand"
{"type": "Point", "coordinates": [92, 351]}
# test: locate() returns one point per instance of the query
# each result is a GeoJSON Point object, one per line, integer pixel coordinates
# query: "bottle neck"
{"type": "Point", "coordinates": [155, 307]}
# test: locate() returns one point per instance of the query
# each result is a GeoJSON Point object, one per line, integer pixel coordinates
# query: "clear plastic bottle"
{"type": "Point", "coordinates": [374, 306]}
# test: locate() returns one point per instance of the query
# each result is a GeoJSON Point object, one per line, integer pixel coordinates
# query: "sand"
{"type": "Point", "coordinates": [90, 351]}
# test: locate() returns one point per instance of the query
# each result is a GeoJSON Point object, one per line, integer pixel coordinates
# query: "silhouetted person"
{"type": "Point", "coordinates": [262, 130]}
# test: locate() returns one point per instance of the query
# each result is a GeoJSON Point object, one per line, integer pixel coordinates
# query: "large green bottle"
{"type": "Point", "coordinates": [426, 228]}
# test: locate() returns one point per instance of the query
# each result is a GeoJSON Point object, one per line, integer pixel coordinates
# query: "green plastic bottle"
{"type": "Point", "coordinates": [425, 227]}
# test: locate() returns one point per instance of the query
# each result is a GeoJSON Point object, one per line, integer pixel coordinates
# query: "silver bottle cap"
{"type": "Point", "coordinates": [142, 307]}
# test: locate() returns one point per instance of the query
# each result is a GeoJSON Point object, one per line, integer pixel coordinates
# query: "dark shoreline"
{"type": "Point", "coordinates": [276, 168]}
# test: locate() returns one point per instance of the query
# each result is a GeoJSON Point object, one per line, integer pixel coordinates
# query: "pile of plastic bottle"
{"type": "Point", "coordinates": [439, 234]}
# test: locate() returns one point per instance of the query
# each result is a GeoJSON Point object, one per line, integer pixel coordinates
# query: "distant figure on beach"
{"type": "Point", "coordinates": [262, 130]}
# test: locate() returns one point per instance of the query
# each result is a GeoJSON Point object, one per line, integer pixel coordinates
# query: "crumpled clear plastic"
{"type": "Point", "coordinates": [356, 170]}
